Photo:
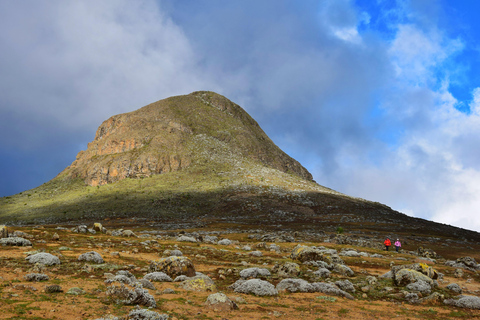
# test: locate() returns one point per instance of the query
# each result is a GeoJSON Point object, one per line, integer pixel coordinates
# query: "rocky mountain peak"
{"type": "Point", "coordinates": [174, 133]}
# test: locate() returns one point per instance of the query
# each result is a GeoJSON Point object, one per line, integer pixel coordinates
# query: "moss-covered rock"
{"type": "Point", "coordinates": [174, 266]}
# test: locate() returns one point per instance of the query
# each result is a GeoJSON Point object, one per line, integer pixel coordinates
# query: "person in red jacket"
{"type": "Point", "coordinates": [387, 243]}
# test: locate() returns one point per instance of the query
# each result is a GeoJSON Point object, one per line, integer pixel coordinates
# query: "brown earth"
{"type": "Point", "coordinates": [27, 300]}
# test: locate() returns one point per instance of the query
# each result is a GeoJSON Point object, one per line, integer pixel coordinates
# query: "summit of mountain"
{"type": "Point", "coordinates": [199, 160]}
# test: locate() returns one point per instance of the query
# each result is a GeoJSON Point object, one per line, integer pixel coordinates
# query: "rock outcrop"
{"type": "Point", "coordinates": [159, 138]}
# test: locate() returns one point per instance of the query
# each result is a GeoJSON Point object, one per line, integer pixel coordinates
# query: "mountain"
{"type": "Point", "coordinates": [200, 160]}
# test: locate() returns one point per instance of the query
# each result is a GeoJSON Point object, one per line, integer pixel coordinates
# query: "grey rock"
{"type": "Point", "coordinates": [294, 285]}
{"type": "Point", "coordinates": [75, 291]}
{"type": "Point", "coordinates": [225, 242]}
{"type": "Point", "coordinates": [199, 282]}
{"type": "Point", "coordinates": [420, 286]}
{"type": "Point", "coordinates": [176, 253]}
{"type": "Point", "coordinates": [135, 296]}
{"type": "Point", "coordinates": [328, 288]}
{"type": "Point", "coordinates": [158, 276]}
{"type": "Point", "coordinates": [288, 270]}
{"type": "Point", "coordinates": [220, 301]}
{"type": "Point", "coordinates": [36, 277]}
{"type": "Point", "coordinates": [344, 270]}
{"type": "Point", "coordinates": [44, 258]}
{"type": "Point", "coordinates": [147, 284]}
{"type": "Point", "coordinates": [186, 239]}
{"type": "Point", "coordinates": [455, 288]}
{"type": "Point", "coordinates": [91, 256]}
{"type": "Point", "coordinates": [345, 285]}
{"type": "Point", "coordinates": [468, 302]}
{"type": "Point", "coordinates": [407, 276]}
{"type": "Point", "coordinates": [254, 273]}
{"type": "Point", "coordinates": [256, 253]}
{"type": "Point", "coordinates": [257, 287]}
{"type": "Point", "coordinates": [322, 273]}
{"type": "Point", "coordinates": [143, 314]}
{"type": "Point", "coordinates": [15, 241]}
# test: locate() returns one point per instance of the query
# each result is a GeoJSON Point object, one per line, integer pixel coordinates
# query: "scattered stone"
{"type": "Point", "coordinates": [75, 291]}
{"type": "Point", "coordinates": [255, 254]}
{"type": "Point", "coordinates": [158, 276]}
{"type": "Point", "coordinates": [256, 287]}
{"type": "Point", "coordinates": [254, 273]}
{"type": "Point", "coordinates": [304, 253]}
{"type": "Point", "coordinates": [143, 314]}
{"type": "Point", "coordinates": [168, 291]}
{"type": "Point", "coordinates": [200, 282]}
{"type": "Point", "coordinates": [407, 276]}
{"type": "Point", "coordinates": [55, 237]}
{"type": "Point", "coordinates": [458, 273]}
{"type": "Point", "coordinates": [147, 284]}
{"type": "Point", "coordinates": [128, 233]}
{"type": "Point", "coordinates": [36, 277]}
{"type": "Point", "coordinates": [186, 239]}
{"type": "Point", "coordinates": [322, 273]}
{"type": "Point", "coordinates": [15, 241]}
{"type": "Point", "coordinates": [3, 231]}
{"type": "Point", "coordinates": [44, 258]}
{"type": "Point", "coordinates": [344, 270]}
{"type": "Point", "coordinates": [54, 288]}
{"type": "Point", "coordinates": [328, 288]}
{"type": "Point", "coordinates": [136, 295]}
{"type": "Point", "coordinates": [294, 285]}
{"type": "Point", "coordinates": [225, 242]}
{"type": "Point", "coordinates": [468, 302]}
{"type": "Point", "coordinates": [420, 286]}
{"type": "Point", "coordinates": [455, 288]}
{"type": "Point", "coordinates": [288, 270]}
{"type": "Point", "coordinates": [220, 302]}
{"type": "Point", "coordinates": [345, 285]}
{"type": "Point", "coordinates": [173, 266]}
{"type": "Point", "coordinates": [91, 256]}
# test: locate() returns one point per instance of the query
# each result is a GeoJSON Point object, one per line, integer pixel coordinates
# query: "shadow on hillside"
{"type": "Point", "coordinates": [267, 210]}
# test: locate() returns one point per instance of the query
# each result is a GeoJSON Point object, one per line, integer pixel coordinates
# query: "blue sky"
{"type": "Point", "coordinates": [378, 99]}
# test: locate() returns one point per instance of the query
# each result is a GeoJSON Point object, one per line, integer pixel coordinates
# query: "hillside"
{"type": "Point", "coordinates": [200, 160]}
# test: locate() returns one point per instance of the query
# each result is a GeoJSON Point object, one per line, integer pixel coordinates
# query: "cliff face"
{"type": "Point", "coordinates": [161, 137]}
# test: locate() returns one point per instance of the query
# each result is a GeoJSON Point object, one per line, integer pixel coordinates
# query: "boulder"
{"type": "Point", "coordinates": [294, 285]}
{"type": "Point", "coordinates": [91, 256]}
{"type": "Point", "coordinates": [220, 302]}
{"type": "Point", "coordinates": [15, 241]}
{"type": "Point", "coordinates": [135, 295]}
{"type": "Point", "coordinates": [322, 273]}
{"type": "Point", "coordinates": [288, 270]}
{"type": "Point", "coordinates": [256, 287]}
{"type": "Point", "coordinates": [343, 270]}
{"type": "Point", "coordinates": [3, 231]}
{"type": "Point", "coordinates": [225, 242]}
{"type": "Point", "coordinates": [186, 239]}
{"type": "Point", "coordinates": [407, 276]}
{"type": "Point", "coordinates": [158, 277]}
{"type": "Point", "coordinates": [328, 288]}
{"type": "Point", "coordinates": [468, 302]}
{"type": "Point", "coordinates": [97, 226]}
{"type": "Point", "coordinates": [420, 286]}
{"type": "Point", "coordinates": [200, 282]}
{"type": "Point", "coordinates": [173, 266]}
{"type": "Point", "coordinates": [254, 273]}
{"type": "Point", "coordinates": [36, 277]}
{"type": "Point", "coordinates": [345, 285]}
{"type": "Point", "coordinates": [44, 258]}
{"type": "Point", "coordinates": [305, 253]}
{"type": "Point", "coordinates": [455, 288]}
{"type": "Point", "coordinates": [144, 314]}
{"type": "Point", "coordinates": [128, 233]}
{"type": "Point", "coordinates": [420, 267]}
{"type": "Point", "coordinates": [468, 261]}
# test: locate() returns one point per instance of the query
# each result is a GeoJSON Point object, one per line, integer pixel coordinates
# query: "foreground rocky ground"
{"type": "Point", "coordinates": [93, 272]}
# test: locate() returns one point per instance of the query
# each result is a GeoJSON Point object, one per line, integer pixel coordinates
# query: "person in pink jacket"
{"type": "Point", "coordinates": [397, 244]}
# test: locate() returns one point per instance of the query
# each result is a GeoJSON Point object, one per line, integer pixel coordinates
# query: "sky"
{"type": "Point", "coordinates": [378, 99]}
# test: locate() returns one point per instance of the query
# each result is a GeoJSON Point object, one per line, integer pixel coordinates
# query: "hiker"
{"type": "Point", "coordinates": [397, 244]}
{"type": "Point", "coordinates": [387, 243]}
